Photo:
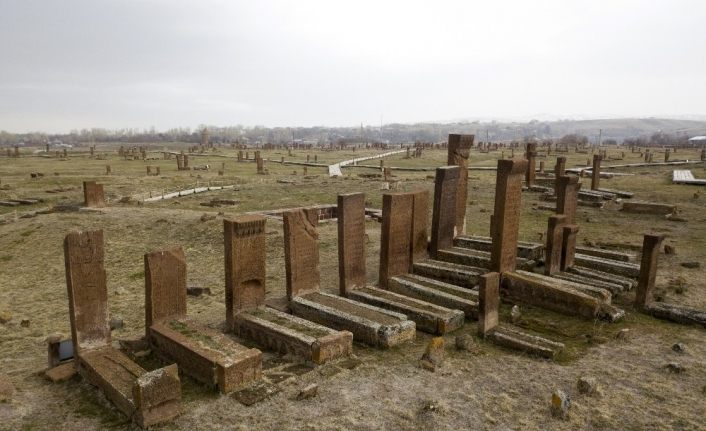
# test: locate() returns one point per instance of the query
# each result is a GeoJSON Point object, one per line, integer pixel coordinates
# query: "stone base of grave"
{"type": "Point", "coordinates": [289, 334]}
{"type": "Point", "coordinates": [62, 372]}
{"type": "Point", "coordinates": [592, 196]}
{"type": "Point", "coordinates": [517, 340]}
{"type": "Point", "coordinates": [553, 294]}
{"type": "Point", "coordinates": [148, 398]}
{"type": "Point", "coordinates": [279, 304]}
{"type": "Point", "coordinates": [619, 193]}
{"type": "Point", "coordinates": [625, 282]}
{"type": "Point", "coordinates": [465, 256]}
{"type": "Point", "coordinates": [677, 313]}
{"type": "Point", "coordinates": [537, 189]}
{"type": "Point", "coordinates": [647, 208]}
{"type": "Point", "coordinates": [370, 325]}
{"type": "Point", "coordinates": [525, 250]}
{"type": "Point", "coordinates": [453, 273]}
{"type": "Point", "coordinates": [605, 254]}
{"type": "Point", "coordinates": [436, 292]}
{"type": "Point", "coordinates": [613, 288]}
{"type": "Point", "coordinates": [625, 269]}
{"type": "Point", "coordinates": [205, 354]}
{"type": "Point", "coordinates": [429, 318]}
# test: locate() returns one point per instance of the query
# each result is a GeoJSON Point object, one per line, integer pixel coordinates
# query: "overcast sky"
{"type": "Point", "coordinates": [94, 63]}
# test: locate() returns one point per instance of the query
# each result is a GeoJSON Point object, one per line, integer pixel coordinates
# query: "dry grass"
{"type": "Point", "coordinates": [494, 389]}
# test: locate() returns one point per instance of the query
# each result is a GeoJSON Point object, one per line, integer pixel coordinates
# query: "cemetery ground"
{"type": "Point", "coordinates": [486, 388]}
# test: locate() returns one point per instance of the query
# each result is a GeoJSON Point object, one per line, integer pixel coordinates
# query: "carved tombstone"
{"type": "Point", "coordinates": [459, 149]}
{"type": "Point", "coordinates": [488, 303]}
{"type": "Point", "coordinates": [568, 246]}
{"type": "Point", "coordinates": [87, 289]}
{"type": "Point", "coordinates": [567, 197]}
{"type": "Point", "coordinates": [559, 171]}
{"type": "Point", "coordinates": [596, 172]}
{"type": "Point", "coordinates": [648, 270]}
{"type": "Point", "coordinates": [165, 273]}
{"type": "Point", "coordinates": [245, 263]}
{"type": "Point", "coordinates": [444, 208]}
{"type": "Point", "coordinates": [301, 252]}
{"type": "Point", "coordinates": [530, 155]}
{"type": "Point", "coordinates": [555, 236]}
{"type": "Point", "coordinates": [420, 221]}
{"type": "Point", "coordinates": [93, 195]}
{"type": "Point", "coordinates": [396, 235]}
{"type": "Point", "coordinates": [351, 242]}
{"type": "Point", "coordinates": [506, 215]}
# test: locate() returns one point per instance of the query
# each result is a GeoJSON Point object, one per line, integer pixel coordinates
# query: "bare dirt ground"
{"type": "Point", "coordinates": [490, 388]}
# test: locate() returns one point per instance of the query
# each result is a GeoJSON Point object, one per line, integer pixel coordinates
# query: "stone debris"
{"type": "Point", "coordinates": [669, 249]}
{"type": "Point", "coordinates": [116, 322]}
{"type": "Point", "coordinates": [679, 348]}
{"type": "Point", "coordinates": [587, 385]}
{"type": "Point", "coordinates": [623, 334]}
{"type": "Point", "coordinates": [6, 388]}
{"type": "Point", "coordinates": [308, 392]}
{"type": "Point", "coordinates": [5, 316]}
{"type": "Point", "coordinates": [433, 356]}
{"type": "Point", "coordinates": [561, 403]}
{"type": "Point", "coordinates": [25, 323]}
{"type": "Point", "coordinates": [675, 367]}
{"type": "Point", "coordinates": [691, 265]}
{"type": "Point", "coordinates": [198, 291]}
{"type": "Point", "coordinates": [466, 343]}
{"type": "Point", "coordinates": [62, 372]}
{"type": "Point", "coordinates": [515, 314]}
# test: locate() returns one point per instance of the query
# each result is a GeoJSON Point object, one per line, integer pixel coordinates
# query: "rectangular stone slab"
{"type": "Point", "coordinates": [625, 282]}
{"type": "Point", "coordinates": [351, 241]}
{"type": "Point", "coordinates": [532, 344]}
{"type": "Point", "coordinates": [460, 275]}
{"type": "Point", "coordinates": [289, 334]}
{"type": "Point", "coordinates": [677, 313]}
{"type": "Point", "coordinates": [525, 250]}
{"type": "Point", "coordinates": [606, 254]}
{"type": "Point", "coordinates": [625, 269]}
{"type": "Point", "coordinates": [464, 256]}
{"type": "Point", "coordinates": [123, 382]}
{"type": "Point", "coordinates": [429, 318]}
{"type": "Point", "coordinates": [370, 325]}
{"type": "Point", "coordinates": [453, 297]}
{"type": "Point", "coordinates": [549, 293]}
{"type": "Point", "coordinates": [205, 354]}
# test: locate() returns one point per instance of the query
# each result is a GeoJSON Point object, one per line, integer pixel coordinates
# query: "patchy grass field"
{"type": "Point", "coordinates": [489, 389]}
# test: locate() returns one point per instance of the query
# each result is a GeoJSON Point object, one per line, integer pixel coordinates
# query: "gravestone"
{"type": "Point", "coordinates": [596, 173]}
{"type": "Point", "coordinates": [568, 245]}
{"type": "Point", "coordinates": [108, 171]}
{"type": "Point", "coordinates": [245, 258]}
{"type": "Point", "coordinates": [301, 252]}
{"type": "Point", "coordinates": [559, 171]}
{"type": "Point", "coordinates": [567, 197]}
{"type": "Point", "coordinates": [260, 165]}
{"type": "Point", "coordinates": [351, 241]}
{"type": "Point", "coordinates": [506, 216]}
{"type": "Point", "coordinates": [420, 222]}
{"type": "Point", "coordinates": [459, 149]}
{"type": "Point", "coordinates": [444, 208]}
{"type": "Point", "coordinates": [93, 195]}
{"type": "Point", "coordinates": [666, 155]}
{"type": "Point", "coordinates": [648, 269]}
{"type": "Point", "coordinates": [165, 272]}
{"type": "Point", "coordinates": [396, 235]}
{"type": "Point", "coordinates": [553, 251]}
{"type": "Point", "coordinates": [87, 289]}
{"type": "Point", "coordinates": [530, 155]}
{"type": "Point", "coordinates": [149, 170]}
{"type": "Point", "coordinates": [488, 302]}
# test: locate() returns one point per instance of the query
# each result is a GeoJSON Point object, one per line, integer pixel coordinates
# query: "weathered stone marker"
{"type": "Point", "coordinates": [459, 150]}
{"type": "Point", "coordinates": [506, 216]}
{"type": "Point", "coordinates": [559, 171]}
{"type": "Point", "coordinates": [567, 197]}
{"type": "Point", "coordinates": [245, 258]}
{"type": "Point", "coordinates": [420, 221]}
{"type": "Point", "coordinates": [301, 252]}
{"type": "Point", "coordinates": [351, 242]}
{"type": "Point", "coordinates": [568, 246]}
{"type": "Point", "coordinates": [93, 195]}
{"type": "Point", "coordinates": [396, 236]}
{"type": "Point", "coordinates": [555, 234]}
{"type": "Point", "coordinates": [530, 155]}
{"type": "Point", "coordinates": [444, 208]}
{"type": "Point", "coordinates": [488, 303]}
{"type": "Point", "coordinates": [596, 172]}
{"type": "Point", "coordinates": [648, 270]}
{"type": "Point", "coordinates": [148, 398]}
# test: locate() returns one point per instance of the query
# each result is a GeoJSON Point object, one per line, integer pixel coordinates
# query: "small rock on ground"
{"type": "Point", "coordinates": [587, 385]}
{"type": "Point", "coordinates": [679, 348]}
{"type": "Point", "coordinates": [116, 322]}
{"type": "Point", "coordinates": [691, 265]}
{"type": "Point", "coordinates": [466, 343]}
{"type": "Point", "coordinates": [308, 392]}
{"type": "Point", "coordinates": [433, 356]}
{"type": "Point", "coordinates": [198, 291]}
{"type": "Point", "coordinates": [561, 402]}
{"type": "Point", "coordinates": [675, 367]}
{"type": "Point", "coordinates": [515, 314]}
